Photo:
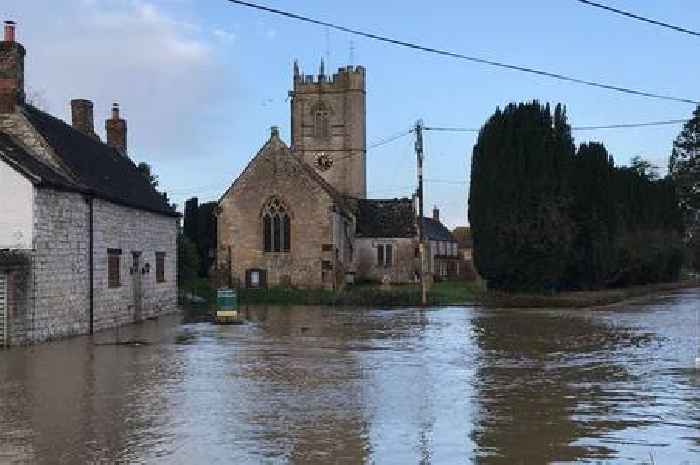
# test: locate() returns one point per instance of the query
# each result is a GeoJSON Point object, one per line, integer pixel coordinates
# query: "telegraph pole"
{"type": "Point", "coordinates": [421, 241]}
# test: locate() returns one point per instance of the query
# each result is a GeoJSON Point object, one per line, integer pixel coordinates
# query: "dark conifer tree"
{"type": "Point", "coordinates": [594, 213]}
{"type": "Point", "coordinates": [545, 218]}
{"type": "Point", "coordinates": [518, 205]}
{"type": "Point", "coordinates": [684, 166]}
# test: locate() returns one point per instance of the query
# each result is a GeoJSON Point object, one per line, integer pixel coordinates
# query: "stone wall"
{"type": "Point", "coordinates": [277, 172]}
{"type": "Point", "coordinates": [130, 230]}
{"type": "Point", "coordinates": [49, 287]}
{"type": "Point", "coordinates": [61, 266]}
{"type": "Point", "coordinates": [404, 265]}
{"type": "Point", "coordinates": [17, 266]}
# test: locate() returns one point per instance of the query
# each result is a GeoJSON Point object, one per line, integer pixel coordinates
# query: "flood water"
{"type": "Point", "coordinates": [326, 386]}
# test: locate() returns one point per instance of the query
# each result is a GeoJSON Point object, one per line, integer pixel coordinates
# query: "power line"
{"type": "Point", "coordinates": [560, 77]}
{"type": "Point", "coordinates": [451, 129]}
{"type": "Point", "coordinates": [631, 125]}
{"type": "Point", "coordinates": [380, 143]}
{"type": "Point", "coordinates": [578, 128]}
{"type": "Point", "coordinates": [389, 139]}
{"type": "Point", "coordinates": [445, 181]}
{"type": "Point", "coordinates": [640, 18]}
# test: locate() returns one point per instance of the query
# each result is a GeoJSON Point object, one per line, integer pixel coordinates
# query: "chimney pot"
{"type": "Point", "coordinates": [116, 130]}
{"type": "Point", "coordinates": [11, 71]}
{"type": "Point", "coordinates": [274, 131]}
{"type": "Point", "coordinates": [10, 27]}
{"type": "Point", "coordinates": [436, 214]}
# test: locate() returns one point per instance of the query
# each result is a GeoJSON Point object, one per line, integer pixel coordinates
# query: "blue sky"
{"type": "Point", "coordinates": [201, 82]}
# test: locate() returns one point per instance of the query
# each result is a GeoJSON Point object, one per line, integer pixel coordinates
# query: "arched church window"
{"type": "Point", "coordinates": [321, 128]}
{"type": "Point", "coordinates": [277, 230]}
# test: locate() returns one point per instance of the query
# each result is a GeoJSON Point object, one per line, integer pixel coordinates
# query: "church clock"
{"type": "Point", "coordinates": [323, 161]}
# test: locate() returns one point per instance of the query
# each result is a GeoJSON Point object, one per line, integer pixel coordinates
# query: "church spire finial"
{"type": "Point", "coordinates": [296, 68]}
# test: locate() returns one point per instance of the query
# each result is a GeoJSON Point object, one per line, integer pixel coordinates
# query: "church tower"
{"type": "Point", "coordinates": [329, 122]}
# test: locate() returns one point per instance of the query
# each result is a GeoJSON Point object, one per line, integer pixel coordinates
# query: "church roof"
{"type": "Point", "coordinates": [385, 218]}
{"type": "Point", "coordinates": [275, 143]}
{"type": "Point", "coordinates": [91, 166]}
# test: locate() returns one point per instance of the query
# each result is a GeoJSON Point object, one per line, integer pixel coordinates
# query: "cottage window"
{"type": "Point", "coordinates": [385, 255]}
{"type": "Point", "coordinates": [277, 229]}
{"type": "Point", "coordinates": [160, 267]}
{"type": "Point", "coordinates": [113, 267]}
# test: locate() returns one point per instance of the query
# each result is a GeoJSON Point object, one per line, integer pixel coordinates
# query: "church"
{"type": "Point", "coordinates": [298, 215]}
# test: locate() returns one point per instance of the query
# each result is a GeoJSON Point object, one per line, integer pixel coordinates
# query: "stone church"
{"type": "Point", "coordinates": [298, 215]}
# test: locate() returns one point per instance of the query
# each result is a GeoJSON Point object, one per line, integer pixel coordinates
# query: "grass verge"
{"type": "Point", "coordinates": [580, 299]}
{"type": "Point", "coordinates": [444, 293]}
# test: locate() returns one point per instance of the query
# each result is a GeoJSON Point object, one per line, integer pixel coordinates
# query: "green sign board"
{"type": "Point", "coordinates": [226, 299]}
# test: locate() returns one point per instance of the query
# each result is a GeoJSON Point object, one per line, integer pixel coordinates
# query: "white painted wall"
{"type": "Point", "coordinates": [16, 209]}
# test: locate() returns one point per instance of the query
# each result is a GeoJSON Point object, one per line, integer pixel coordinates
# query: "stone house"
{"type": "Point", "coordinates": [463, 236]}
{"type": "Point", "coordinates": [386, 241]}
{"type": "Point", "coordinates": [298, 215]}
{"type": "Point", "coordinates": [443, 257]}
{"type": "Point", "coordinates": [86, 243]}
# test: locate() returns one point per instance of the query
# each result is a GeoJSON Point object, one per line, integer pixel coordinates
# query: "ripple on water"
{"type": "Point", "coordinates": [347, 386]}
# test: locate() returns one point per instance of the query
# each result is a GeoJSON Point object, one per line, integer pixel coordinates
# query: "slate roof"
{"type": "Point", "coordinates": [385, 218]}
{"type": "Point", "coordinates": [95, 167]}
{"type": "Point", "coordinates": [18, 158]}
{"type": "Point", "coordinates": [436, 231]}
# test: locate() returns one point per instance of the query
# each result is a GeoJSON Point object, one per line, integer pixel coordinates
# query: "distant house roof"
{"type": "Point", "coordinates": [385, 218]}
{"type": "Point", "coordinates": [463, 236]}
{"type": "Point", "coordinates": [95, 167]}
{"type": "Point", "coordinates": [436, 231]}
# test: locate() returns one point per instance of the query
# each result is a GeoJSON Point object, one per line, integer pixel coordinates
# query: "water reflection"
{"type": "Point", "coordinates": [73, 402]}
{"type": "Point", "coordinates": [535, 373]}
{"type": "Point", "coordinates": [351, 386]}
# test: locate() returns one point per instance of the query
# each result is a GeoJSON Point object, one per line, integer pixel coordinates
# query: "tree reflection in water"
{"type": "Point", "coordinates": [547, 381]}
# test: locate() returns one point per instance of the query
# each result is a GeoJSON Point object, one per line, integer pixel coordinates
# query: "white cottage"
{"type": "Point", "coordinates": [86, 243]}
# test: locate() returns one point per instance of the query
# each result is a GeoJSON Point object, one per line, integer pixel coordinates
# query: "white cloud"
{"type": "Point", "coordinates": [224, 35]}
{"type": "Point", "coordinates": [161, 69]}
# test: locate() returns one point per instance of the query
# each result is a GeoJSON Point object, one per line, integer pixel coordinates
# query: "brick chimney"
{"type": "Point", "coordinates": [82, 115]}
{"type": "Point", "coordinates": [12, 56]}
{"type": "Point", "coordinates": [436, 213]}
{"type": "Point", "coordinates": [116, 131]}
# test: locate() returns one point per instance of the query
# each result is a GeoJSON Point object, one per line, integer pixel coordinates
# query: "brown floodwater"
{"type": "Point", "coordinates": [306, 385]}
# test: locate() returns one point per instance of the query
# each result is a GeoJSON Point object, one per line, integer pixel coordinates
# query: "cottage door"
{"type": "Point", "coordinates": [137, 285]}
{"type": "Point", "coordinates": [3, 309]}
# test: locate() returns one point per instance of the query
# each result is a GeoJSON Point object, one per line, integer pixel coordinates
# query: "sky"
{"type": "Point", "coordinates": [201, 82]}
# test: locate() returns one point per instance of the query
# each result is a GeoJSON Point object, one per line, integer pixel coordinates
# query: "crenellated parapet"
{"type": "Point", "coordinates": [347, 78]}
